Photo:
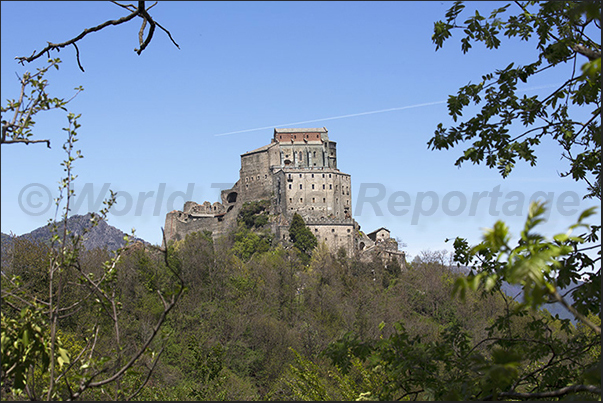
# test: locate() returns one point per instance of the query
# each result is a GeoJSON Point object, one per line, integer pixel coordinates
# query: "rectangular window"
{"type": "Point", "coordinates": [323, 186]}
{"type": "Point", "coordinates": [289, 186]}
{"type": "Point", "coordinates": [300, 185]}
{"type": "Point", "coordinates": [312, 186]}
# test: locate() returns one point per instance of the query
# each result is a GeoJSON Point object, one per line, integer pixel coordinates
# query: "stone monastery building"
{"type": "Point", "coordinates": [297, 172]}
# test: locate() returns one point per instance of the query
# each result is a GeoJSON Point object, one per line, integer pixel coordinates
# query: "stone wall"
{"type": "Point", "coordinates": [179, 223]}
{"type": "Point", "coordinates": [255, 176]}
{"type": "Point", "coordinates": [335, 234]}
{"type": "Point", "coordinates": [206, 208]}
{"type": "Point", "coordinates": [316, 193]}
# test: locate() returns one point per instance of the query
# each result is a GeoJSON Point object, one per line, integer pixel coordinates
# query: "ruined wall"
{"type": "Point", "coordinates": [207, 208]}
{"type": "Point", "coordinates": [180, 223]}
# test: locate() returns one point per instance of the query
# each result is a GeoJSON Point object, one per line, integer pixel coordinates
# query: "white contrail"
{"type": "Point", "coordinates": [364, 113]}
{"type": "Point", "coordinates": [334, 117]}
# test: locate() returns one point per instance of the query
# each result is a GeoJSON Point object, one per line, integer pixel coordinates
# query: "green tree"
{"type": "Point", "coordinates": [254, 214]}
{"type": "Point", "coordinates": [36, 361]}
{"type": "Point", "coordinates": [39, 359]}
{"type": "Point", "coordinates": [523, 353]}
{"type": "Point", "coordinates": [301, 236]}
{"type": "Point", "coordinates": [563, 33]}
{"type": "Point", "coordinates": [247, 242]}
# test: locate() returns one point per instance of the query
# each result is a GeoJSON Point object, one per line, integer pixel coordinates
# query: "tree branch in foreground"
{"type": "Point", "coordinates": [139, 11]}
{"type": "Point", "coordinates": [552, 393]}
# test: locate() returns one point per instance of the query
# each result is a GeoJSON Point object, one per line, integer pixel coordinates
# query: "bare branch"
{"type": "Point", "coordinates": [577, 314]}
{"type": "Point", "coordinates": [26, 141]}
{"type": "Point", "coordinates": [77, 57]}
{"type": "Point", "coordinates": [58, 46]}
{"type": "Point", "coordinates": [147, 343]}
{"type": "Point", "coordinates": [146, 18]}
{"type": "Point", "coordinates": [173, 300]}
{"type": "Point", "coordinates": [139, 11]}
{"type": "Point", "coordinates": [591, 54]}
{"type": "Point", "coordinates": [168, 34]}
{"type": "Point", "coordinates": [129, 7]}
{"type": "Point", "coordinates": [141, 32]}
{"type": "Point", "coordinates": [133, 395]}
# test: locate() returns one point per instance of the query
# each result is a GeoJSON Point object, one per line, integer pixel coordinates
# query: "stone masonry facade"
{"type": "Point", "coordinates": [297, 172]}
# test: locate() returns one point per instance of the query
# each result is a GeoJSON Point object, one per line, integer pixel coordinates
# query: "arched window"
{"type": "Point", "coordinates": [232, 197]}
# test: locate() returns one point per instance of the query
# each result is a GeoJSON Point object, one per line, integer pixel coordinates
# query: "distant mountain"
{"type": "Point", "coordinates": [516, 292]}
{"type": "Point", "coordinates": [101, 236]}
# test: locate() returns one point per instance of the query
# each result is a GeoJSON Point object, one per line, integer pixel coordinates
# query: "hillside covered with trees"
{"type": "Point", "coordinates": [257, 323]}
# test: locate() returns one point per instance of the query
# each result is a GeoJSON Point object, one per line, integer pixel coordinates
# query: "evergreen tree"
{"type": "Point", "coordinates": [302, 237]}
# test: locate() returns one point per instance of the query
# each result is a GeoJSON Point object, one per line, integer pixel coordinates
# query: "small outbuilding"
{"type": "Point", "coordinates": [379, 235]}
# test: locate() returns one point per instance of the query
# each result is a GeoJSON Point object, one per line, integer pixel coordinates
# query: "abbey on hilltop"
{"type": "Point", "coordinates": [297, 173]}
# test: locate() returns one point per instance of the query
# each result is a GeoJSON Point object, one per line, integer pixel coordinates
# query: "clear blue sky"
{"type": "Point", "coordinates": [157, 118]}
